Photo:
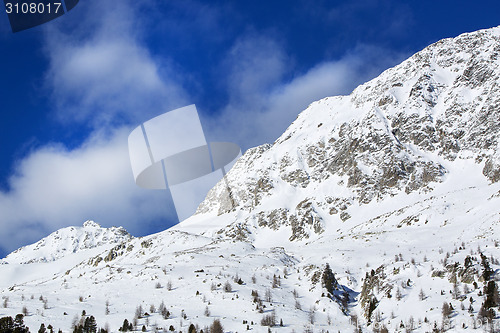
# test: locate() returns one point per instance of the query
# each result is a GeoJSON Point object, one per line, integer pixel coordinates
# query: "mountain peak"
{"type": "Point", "coordinates": [91, 224]}
{"type": "Point", "coordinates": [415, 126]}
{"type": "Point", "coordinates": [69, 240]}
{"type": "Point", "coordinates": [365, 212]}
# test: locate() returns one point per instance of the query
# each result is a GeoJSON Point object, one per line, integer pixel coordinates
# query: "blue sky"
{"type": "Point", "coordinates": [72, 89]}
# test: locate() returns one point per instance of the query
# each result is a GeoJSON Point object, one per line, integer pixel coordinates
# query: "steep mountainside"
{"type": "Point", "coordinates": [376, 210]}
{"type": "Point", "coordinates": [406, 130]}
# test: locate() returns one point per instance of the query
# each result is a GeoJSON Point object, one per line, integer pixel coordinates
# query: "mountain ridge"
{"type": "Point", "coordinates": [393, 188]}
{"type": "Point", "coordinates": [386, 136]}
{"type": "Point", "coordinates": [68, 240]}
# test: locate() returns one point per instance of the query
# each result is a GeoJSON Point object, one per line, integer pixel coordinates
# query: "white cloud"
{"type": "Point", "coordinates": [103, 76]}
{"type": "Point", "coordinates": [263, 104]}
{"type": "Point", "coordinates": [54, 187]}
{"type": "Point", "coordinates": [254, 64]}
{"type": "Point", "coordinates": [106, 73]}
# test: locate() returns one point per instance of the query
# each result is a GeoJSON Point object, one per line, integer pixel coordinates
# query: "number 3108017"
{"type": "Point", "coordinates": [32, 8]}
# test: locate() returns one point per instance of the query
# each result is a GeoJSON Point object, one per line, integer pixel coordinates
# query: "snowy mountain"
{"type": "Point", "coordinates": [375, 210]}
{"type": "Point", "coordinates": [68, 240]}
{"type": "Point", "coordinates": [415, 126]}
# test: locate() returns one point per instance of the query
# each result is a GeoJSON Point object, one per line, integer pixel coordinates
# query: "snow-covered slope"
{"type": "Point", "coordinates": [69, 240]}
{"type": "Point", "coordinates": [396, 187]}
{"type": "Point", "coordinates": [430, 118]}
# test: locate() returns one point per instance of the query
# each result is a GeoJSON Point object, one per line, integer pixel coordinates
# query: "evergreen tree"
{"type": "Point", "coordinates": [42, 328]}
{"type": "Point", "coordinates": [371, 307]}
{"type": "Point", "coordinates": [125, 327]}
{"type": "Point", "coordinates": [6, 324]}
{"type": "Point", "coordinates": [19, 324]}
{"type": "Point", "coordinates": [492, 297]}
{"type": "Point", "coordinates": [487, 271]}
{"type": "Point", "coordinates": [90, 325]}
{"type": "Point", "coordinates": [328, 280]}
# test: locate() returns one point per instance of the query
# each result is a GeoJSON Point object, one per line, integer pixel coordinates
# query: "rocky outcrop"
{"type": "Point", "coordinates": [393, 134]}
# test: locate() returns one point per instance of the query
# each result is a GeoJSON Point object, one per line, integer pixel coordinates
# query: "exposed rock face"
{"type": "Point", "coordinates": [398, 132]}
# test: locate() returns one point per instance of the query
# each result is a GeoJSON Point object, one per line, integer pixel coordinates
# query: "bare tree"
{"type": "Point", "coordinates": [268, 296]}
{"type": "Point", "coordinates": [398, 294]}
{"type": "Point", "coordinates": [276, 281]}
{"type": "Point", "coordinates": [269, 319]}
{"type": "Point", "coordinates": [466, 289]}
{"type": "Point", "coordinates": [421, 295]}
{"type": "Point", "coordinates": [312, 314]}
{"type": "Point", "coordinates": [138, 312]}
{"type": "Point", "coordinates": [227, 287]}
{"type": "Point", "coordinates": [456, 291]}
{"type": "Point", "coordinates": [216, 327]}
{"type": "Point", "coordinates": [446, 310]}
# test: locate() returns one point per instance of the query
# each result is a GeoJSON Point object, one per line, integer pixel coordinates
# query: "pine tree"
{"type": "Point", "coordinates": [492, 296]}
{"type": "Point", "coordinates": [42, 328]}
{"type": "Point", "coordinates": [19, 324]}
{"type": "Point", "coordinates": [371, 307]}
{"type": "Point", "coordinates": [328, 280]}
{"type": "Point", "coordinates": [487, 271]}
{"type": "Point", "coordinates": [90, 325]}
{"type": "Point", "coordinates": [192, 329]}
{"type": "Point", "coordinates": [6, 324]}
{"type": "Point", "coordinates": [125, 327]}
